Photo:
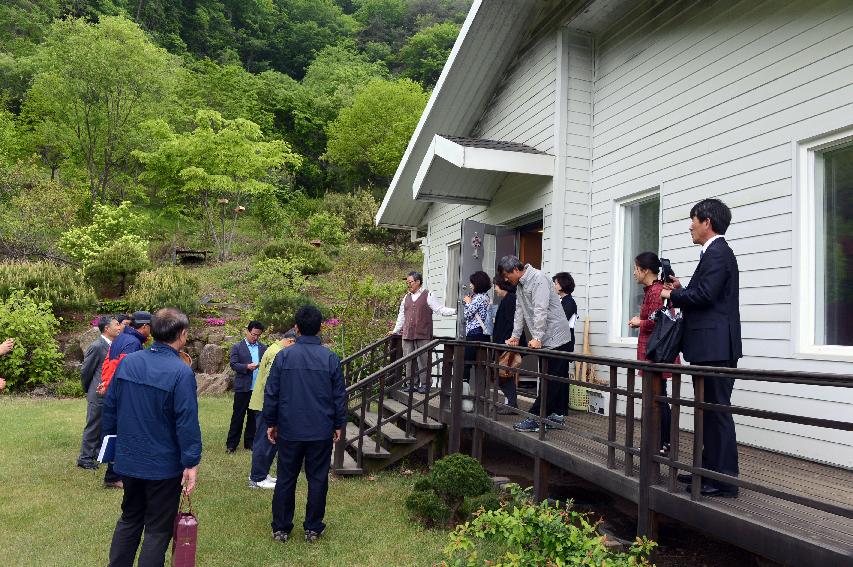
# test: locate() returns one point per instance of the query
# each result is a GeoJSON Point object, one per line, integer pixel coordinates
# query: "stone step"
{"type": "Point", "coordinates": [394, 406]}
{"type": "Point", "coordinates": [390, 431]}
{"type": "Point", "coordinates": [350, 466]}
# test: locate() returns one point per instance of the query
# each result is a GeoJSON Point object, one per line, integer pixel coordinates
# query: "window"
{"type": "Point", "coordinates": [451, 291]}
{"type": "Point", "coordinates": [637, 230]}
{"type": "Point", "coordinates": [833, 183]}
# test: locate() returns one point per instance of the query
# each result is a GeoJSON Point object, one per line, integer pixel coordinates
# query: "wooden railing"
{"type": "Point", "coordinates": [447, 366]}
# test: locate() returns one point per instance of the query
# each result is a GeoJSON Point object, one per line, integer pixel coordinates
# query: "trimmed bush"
{"type": "Point", "coordinates": [165, 287]}
{"type": "Point", "coordinates": [63, 286]}
{"type": "Point", "coordinates": [312, 259]}
{"type": "Point", "coordinates": [35, 359]}
{"type": "Point", "coordinates": [278, 274]}
{"type": "Point", "coordinates": [117, 266]}
{"type": "Point", "coordinates": [459, 483]}
{"type": "Point", "coordinates": [277, 308]}
{"type": "Point", "coordinates": [84, 244]}
{"type": "Point", "coordinates": [327, 228]}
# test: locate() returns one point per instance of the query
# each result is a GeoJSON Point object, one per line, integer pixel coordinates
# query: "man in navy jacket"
{"type": "Point", "coordinates": [152, 409]}
{"type": "Point", "coordinates": [245, 358]}
{"type": "Point", "coordinates": [710, 304]}
{"type": "Point", "coordinates": [305, 410]}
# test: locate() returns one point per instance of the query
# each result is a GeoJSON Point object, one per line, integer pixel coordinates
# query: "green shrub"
{"type": "Point", "coordinates": [165, 287]}
{"type": "Point", "coordinates": [35, 359]}
{"type": "Point", "coordinates": [113, 306]}
{"type": "Point", "coordinates": [84, 244]}
{"type": "Point", "coordinates": [452, 481]}
{"type": "Point", "coordinates": [118, 264]}
{"type": "Point", "coordinates": [312, 259]}
{"type": "Point", "coordinates": [327, 228]}
{"type": "Point", "coordinates": [358, 210]}
{"type": "Point", "coordinates": [537, 534]}
{"type": "Point", "coordinates": [279, 275]}
{"type": "Point", "coordinates": [69, 387]}
{"type": "Point", "coordinates": [63, 286]}
{"type": "Point", "coordinates": [276, 308]}
{"type": "Point", "coordinates": [429, 507]}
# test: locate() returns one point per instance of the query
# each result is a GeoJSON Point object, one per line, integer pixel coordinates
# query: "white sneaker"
{"type": "Point", "coordinates": [272, 479]}
{"type": "Point", "coordinates": [262, 484]}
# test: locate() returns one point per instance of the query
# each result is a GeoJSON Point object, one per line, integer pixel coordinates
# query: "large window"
{"type": "Point", "coordinates": [640, 232]}
{"type": "Point", "coordinates": [833, 188]}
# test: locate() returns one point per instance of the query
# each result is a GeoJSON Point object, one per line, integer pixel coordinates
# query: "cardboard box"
{"type": "Point", "coordinates": [599, 402]}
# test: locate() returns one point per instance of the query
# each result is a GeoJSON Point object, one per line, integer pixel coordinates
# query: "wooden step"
{"type": "Point", "coordinates": [350, 467]}
{"type": "Point", "coordinates": [368, 447]}
{"type": "Point", "coordinates": [394, 406]}
{"type": "Point", "coordinates": [390, 431]}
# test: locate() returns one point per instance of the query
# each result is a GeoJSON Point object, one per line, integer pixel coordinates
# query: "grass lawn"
{"type": "Point", "coordinates": [55, 514]}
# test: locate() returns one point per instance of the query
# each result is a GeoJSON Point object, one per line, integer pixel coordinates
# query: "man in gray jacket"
{"type": "Point", "coordinates": [538, 307]}
{"type": "Point", "coordinates": [90, 377]}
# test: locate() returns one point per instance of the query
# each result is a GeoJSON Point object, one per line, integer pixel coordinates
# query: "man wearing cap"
{"type": "Point", "coordinates": [128, 342]}
{"type": "Point", "coordinates": [263, 452]}
{"type": "Point", "coordinates": [90, 379]}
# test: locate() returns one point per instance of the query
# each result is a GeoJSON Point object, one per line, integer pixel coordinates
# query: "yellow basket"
{"type": "Point", "coordinates": [578, 398]}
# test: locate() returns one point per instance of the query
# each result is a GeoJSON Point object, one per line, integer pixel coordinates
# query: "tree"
{"type": "Point", "coordinates": [383, 21]}
{"type": "Point", "coordinates": [218, 164]}
{"type": "Point", "coordinates": [94, 85]}
{"type": "Point", "coordinates": [367, 140]}
{"type": "Point", "coordinates": [425, 53]}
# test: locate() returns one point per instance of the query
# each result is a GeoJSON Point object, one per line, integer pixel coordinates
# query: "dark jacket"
{"type": "Point", "coordinates": [710, 304]}
{"type": "Point", "coordinates": [93, 361]}
{"type": "Point", "coordinates": [240, 358]}
{"type": "Point", "coordinates": [130, 340]}
{"type": "Point", "coordinates": [504, 318]}
{"type": "Point", "coordinates": [152, 409]}
{"type": "Point", "coordinates": [305, 395]}
{"type": "Point", "coordinates": [571, 309]}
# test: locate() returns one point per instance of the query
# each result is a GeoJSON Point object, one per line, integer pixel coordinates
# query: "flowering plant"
{"type": "Point", "coordinates": [332, 322]}
{"type": "Point", "coordinates": [214, 322]}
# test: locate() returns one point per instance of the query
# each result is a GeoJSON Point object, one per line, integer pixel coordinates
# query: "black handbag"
{"type": "Point", "coordinates": [665, 341]}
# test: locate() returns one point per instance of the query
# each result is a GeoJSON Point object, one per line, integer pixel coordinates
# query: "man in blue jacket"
{"type": "Point", "coordinates": [129, 341]}
{"type": "Point", "coordinates": [152, 409]}
{"type": "Point", "coordinates": [245, 358]}
{"type": "Point", "coordinates": [305, 410]}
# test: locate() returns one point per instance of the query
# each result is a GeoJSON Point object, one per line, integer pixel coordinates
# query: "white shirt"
{"type": "Point", "coordinates": [708, 243]}
{"type": "Point", "coordinates": [433, 303]}
{"type": "Point", "coordinates": [109, 342]}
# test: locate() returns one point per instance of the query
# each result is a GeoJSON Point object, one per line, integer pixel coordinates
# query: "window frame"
{"type": "Point", "coordinates": [451, 291]}
{"type": "Point", "coordinates": [617, 272]}
{"type": "Point", "coordinates": [808, 219]}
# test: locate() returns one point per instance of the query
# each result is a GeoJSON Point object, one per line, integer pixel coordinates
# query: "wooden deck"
{"type": "Point", "coordinates": [754, 521]}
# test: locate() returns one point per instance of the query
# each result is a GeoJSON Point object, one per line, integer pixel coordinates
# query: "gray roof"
{"type": "Point", "coordinates": [492, 144]}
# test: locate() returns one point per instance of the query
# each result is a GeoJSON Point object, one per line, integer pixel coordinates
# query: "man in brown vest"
{"type": "Point", "coordinates": [414, 322]}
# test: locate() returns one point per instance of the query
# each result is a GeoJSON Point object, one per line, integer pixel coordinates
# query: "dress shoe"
{"type": "Point", "coordinates": [89, 466]}
{"type": "Point", "coordinates": [230, 449]}
{"type": "Point", "coordinates": [117, 484]}
{"type": "Point", "coordinates": [713, 491]}
{"type": "Point", "coordinates": [685, 478]}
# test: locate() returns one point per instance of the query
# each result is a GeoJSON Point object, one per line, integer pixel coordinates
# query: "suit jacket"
{"type": "Point", "coordinates": [240, 358]}
{"type": "Point", "coordinates": [93, 361]}
{"type": "Point", "coordinates": [710, 304]}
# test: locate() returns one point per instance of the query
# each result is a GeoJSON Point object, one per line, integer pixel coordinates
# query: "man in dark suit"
{"type": "Point", "coordinates": [710, 304]}
{"type": "Point", "coordinates": [245, 358]}
{"type": "Point", "coordinates": [90, 378]}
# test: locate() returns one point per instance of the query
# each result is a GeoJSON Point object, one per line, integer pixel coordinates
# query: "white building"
{"type": "Point", "coordinates": [589, 128]}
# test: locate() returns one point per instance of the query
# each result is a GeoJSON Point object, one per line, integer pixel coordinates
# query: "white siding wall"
{"type": "Point", "coordinates": [522, 110]}
{"type": "Point", "coordinates": [707, 99]}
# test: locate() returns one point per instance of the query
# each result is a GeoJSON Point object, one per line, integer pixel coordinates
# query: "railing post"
{"type": "Point", "coordinates": [456, 399]}
{"type": "Point", "coordinates": [446, 378]}
{"type": "Point", "coordinates": [611, 419]}
{"type": "Point", "coordinates": [541, 470]}
{"type": "Point", "coordinates": [543, 396]}
{"type": "Point", "coordinates": [629, 423]}
{"type": "Point", "coordinates": [698, 433]}
{"type": "Point", "coordinates": [674, 430]}
{"type": "Point", "coordinates": [340, 447]}
{"type": "Point", "coordinates": [649, 443]}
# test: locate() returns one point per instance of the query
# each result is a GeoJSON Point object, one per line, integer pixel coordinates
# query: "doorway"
{"type": "Point", "coordinates": [530, 243]}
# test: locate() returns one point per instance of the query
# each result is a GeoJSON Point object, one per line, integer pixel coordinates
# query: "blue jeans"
{"type": "Point", "coordinates": [263, 452]}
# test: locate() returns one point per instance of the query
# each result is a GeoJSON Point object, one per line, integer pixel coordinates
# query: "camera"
{"type": "Point", "coordinates": [666, 270]}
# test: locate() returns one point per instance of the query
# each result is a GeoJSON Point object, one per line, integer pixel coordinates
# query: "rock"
{"type": "Point", "coordinates": [212, 359]}
{"type": "Point", "coordinates": [216, 336]}
{"type": "Point", "coordinates": [87, 338]}
{"type": "Point", "coordinates": [73, 352]}
{"type": "Point", "coordinates": [500, 481]}
{"type": "Point", "coordinates": [213, 384]}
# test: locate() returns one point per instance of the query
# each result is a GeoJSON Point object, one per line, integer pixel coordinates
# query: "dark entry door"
{"type": "Point", "coordinates": [482, 245]}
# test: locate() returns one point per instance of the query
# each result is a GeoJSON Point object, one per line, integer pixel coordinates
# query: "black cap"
{"type": "Point", "coordinates": [141, 318]}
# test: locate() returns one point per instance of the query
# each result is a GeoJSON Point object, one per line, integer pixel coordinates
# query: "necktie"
{"type": "Point", "coordinates": [701, 253]}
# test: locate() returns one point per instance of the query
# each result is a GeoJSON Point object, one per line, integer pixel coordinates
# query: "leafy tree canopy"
{"type": "Point", "coordinates": [424, 54]}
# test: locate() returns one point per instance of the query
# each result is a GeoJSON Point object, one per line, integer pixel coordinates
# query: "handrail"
{"type": "Point", "coordinates": [368, 348]}
{"type": "Point", "coordinates": [395, 364]}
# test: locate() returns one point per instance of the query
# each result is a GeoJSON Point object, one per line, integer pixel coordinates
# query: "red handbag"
{"type": "Point", "coordinates": [185, 535]}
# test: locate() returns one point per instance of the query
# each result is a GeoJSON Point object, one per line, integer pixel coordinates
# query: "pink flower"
{"type": "Point", "coordinates": [214, 322]}
{"type": "Point", "coordinates": [332, 322]}
{"type": "Point", "coordinates": [95, 321]}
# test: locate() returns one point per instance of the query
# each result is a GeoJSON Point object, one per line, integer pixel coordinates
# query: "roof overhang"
{"type": "Point", "coordinates": [469, 172]}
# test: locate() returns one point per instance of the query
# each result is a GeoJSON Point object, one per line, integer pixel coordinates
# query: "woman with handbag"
{"type": "Point", "coordinates": [646, 268]}
{"type": "Point", "coordinates": [477, 322]}
{"type": "Point", "coordinates": [501, 332]}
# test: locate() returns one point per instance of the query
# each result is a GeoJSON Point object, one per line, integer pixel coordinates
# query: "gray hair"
{"type": "Point", "coordinates": [509, 263]}
{"type": "Point", "coordinates": [417, 276]}
{"type": "Point", "coordinates": [167, 324]}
